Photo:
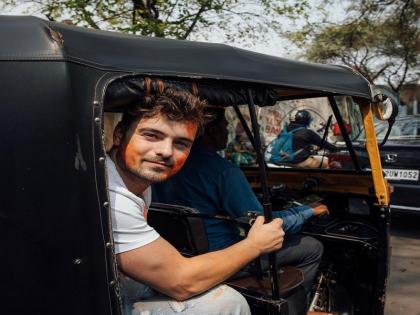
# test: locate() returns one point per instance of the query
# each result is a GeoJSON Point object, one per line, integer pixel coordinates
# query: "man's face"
{"type": "Point", "coordinates": [154, 148]}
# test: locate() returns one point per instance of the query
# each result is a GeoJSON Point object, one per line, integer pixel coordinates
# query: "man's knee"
{"type": "Point", "coordinates": [231, 301]}
{"type": "Point", "coordinates": [221, 299]}
{"type": "Point", "coordinates": [313, 247]}
{"type": "Point", "coordinates": [318, 248]}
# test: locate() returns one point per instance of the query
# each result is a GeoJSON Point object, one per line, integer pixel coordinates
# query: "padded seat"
{"type": "Point", "coordinates": [291, 290]}
{"type": "Point", "coordinates": [290, 278]}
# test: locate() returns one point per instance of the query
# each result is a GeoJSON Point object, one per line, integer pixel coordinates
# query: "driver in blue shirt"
{"type": "Point", "coordinates": [213, 185]}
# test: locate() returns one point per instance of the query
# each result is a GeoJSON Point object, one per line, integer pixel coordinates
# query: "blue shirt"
{"type": "Point", "coordinates": [213, 185]}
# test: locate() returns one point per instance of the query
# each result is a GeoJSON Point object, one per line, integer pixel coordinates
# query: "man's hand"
{"type": "Point", "coordinates": [266, 237]}
{"type": "Point", "coordinates": [319, 209]}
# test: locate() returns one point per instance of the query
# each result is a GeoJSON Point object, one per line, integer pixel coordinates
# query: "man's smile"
{"type": "Point", "coordinates": [160, 163]}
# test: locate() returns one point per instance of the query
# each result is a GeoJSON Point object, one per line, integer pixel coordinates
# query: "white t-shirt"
{"type": "Point", "coordinates": [128, 214]}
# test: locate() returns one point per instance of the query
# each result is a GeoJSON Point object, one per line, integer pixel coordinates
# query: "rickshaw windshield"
{"type": "Point", "coordinates": [324, 135]}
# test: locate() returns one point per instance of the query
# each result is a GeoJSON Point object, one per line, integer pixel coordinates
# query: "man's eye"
{"type": "Point", "coordinates": [182, 145]}
{"type": "Point", "coordinates": [150, 136]}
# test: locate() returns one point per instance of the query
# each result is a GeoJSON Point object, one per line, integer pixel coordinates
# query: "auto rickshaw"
{"type": "Point", "coordinates": [57, 81]}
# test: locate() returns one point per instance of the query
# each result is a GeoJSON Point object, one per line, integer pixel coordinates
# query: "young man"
{"type": "Point", "coordinates": [213, 185]}
{"type": "Point", "coordinates": [151, 143]}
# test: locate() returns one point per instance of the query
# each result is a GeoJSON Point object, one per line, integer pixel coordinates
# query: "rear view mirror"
{"type": "Point", "coordinates": [384, 109]}
{"type": "Point", "coordinates": [385, 106]}
{"type": "Point", "coordinates": [385, 103]}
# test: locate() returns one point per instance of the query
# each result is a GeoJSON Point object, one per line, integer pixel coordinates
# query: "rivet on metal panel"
{"type": "Point", "coordinates": [77, 261]}
{"type": "Point", "coordinates": [101, 159]}
{"type": "Point", "coordinates": [106, 204]}
{"type": "Point", "coordinates": [97, 120]}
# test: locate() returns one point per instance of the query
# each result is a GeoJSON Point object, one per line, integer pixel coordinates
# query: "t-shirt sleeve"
{"type": "Point", "coordinates": [130, 229]}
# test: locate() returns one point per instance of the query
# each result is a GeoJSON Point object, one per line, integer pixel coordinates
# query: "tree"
{"type": "Point", "coordinates": [379, 38]}
{"type": "Point", "coordinates": [236, 20]}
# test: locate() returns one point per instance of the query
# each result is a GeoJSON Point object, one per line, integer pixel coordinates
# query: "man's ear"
{"type": "Point", "coordinates": [118, 135]}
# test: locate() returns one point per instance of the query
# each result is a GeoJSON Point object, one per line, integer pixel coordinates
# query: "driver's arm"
{"type": "Point", "coordinates": [238, 199]}
{"type": "Point", "coordinates": [161, 266]}
{"type": "Point", "coordinates": [317, 140]}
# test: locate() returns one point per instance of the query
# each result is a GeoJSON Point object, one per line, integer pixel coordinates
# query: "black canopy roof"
{"type": "Point", "coordinates": [29, 38]}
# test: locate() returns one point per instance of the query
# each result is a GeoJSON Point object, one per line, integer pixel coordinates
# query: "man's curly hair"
{"type": "Point", "coordinates": [175, 105]}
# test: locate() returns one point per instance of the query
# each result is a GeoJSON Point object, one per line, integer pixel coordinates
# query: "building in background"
{"type": "Point", "coordinates": [410, 98]}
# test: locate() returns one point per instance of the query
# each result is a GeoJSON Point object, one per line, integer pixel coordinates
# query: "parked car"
{"type": "Point", "coordinates": [400, 157]}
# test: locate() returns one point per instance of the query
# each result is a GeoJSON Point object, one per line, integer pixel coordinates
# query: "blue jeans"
{"type": "Point", "coordinates": [140, 299]}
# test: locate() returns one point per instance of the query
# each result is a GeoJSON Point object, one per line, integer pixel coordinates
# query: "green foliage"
{"type": "Point", "coordinates": [379, 38]}
{"type": "Point", "coordinates": [236, 20]}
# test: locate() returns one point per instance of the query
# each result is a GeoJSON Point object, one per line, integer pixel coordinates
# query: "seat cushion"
{"type": "Point", "coordinates": [289, 278]}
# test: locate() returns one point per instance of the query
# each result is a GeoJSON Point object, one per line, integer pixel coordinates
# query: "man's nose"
{"type": "Point", "coordinates": [164, 148]}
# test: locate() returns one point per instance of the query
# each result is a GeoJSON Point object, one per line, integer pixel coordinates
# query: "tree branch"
{"type": "Point", "coordinates": [194, 22]}
{"type": "Point", "coordinates": [380, 71]}
{"type": "Point", "coordinates": [172, 11]}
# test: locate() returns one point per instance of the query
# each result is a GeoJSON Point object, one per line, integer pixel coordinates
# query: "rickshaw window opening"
{"type": "Point", "coordinates": [245, 126]}
{"type": "Point", "coordinates": [344, 133]}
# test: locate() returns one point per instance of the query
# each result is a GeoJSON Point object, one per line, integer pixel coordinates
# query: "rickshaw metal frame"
{"type": "Point", "coordinates": [381, 186]}
{"type": "Point", "coordinates": [268, 211]}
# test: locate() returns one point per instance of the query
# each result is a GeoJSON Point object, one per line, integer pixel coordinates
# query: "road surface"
{"type": "Point", "coordinates": [403, 294]}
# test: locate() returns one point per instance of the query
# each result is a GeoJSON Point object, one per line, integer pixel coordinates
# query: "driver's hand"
{"type": "Point", "coordinates": [319, 209]}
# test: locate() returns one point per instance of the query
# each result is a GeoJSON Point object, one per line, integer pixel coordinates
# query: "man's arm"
{"type": "Point", "coordinates": [294, 218]}
{"type": "Point", "coordinates": [239, 199]}
{"type": "Point", "coordinates": [161, 266]}
{"type": "Point", "coordinates": [317, 140]}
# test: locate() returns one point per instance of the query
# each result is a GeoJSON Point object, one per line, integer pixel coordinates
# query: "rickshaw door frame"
{"type": "Point", "coordinates": [380, 184]}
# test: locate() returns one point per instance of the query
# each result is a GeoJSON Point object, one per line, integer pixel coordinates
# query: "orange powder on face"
{"type": "Point", "coordinates": [121, 152]}
{"type": "Point", "coordinates": [127, 151]}
{"type": "Point", "coordinates": [178, 163]}
{"type": "Point", "coordinates": [191, 133]}
{"type": "Point", "coordinates": [191, 129]}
